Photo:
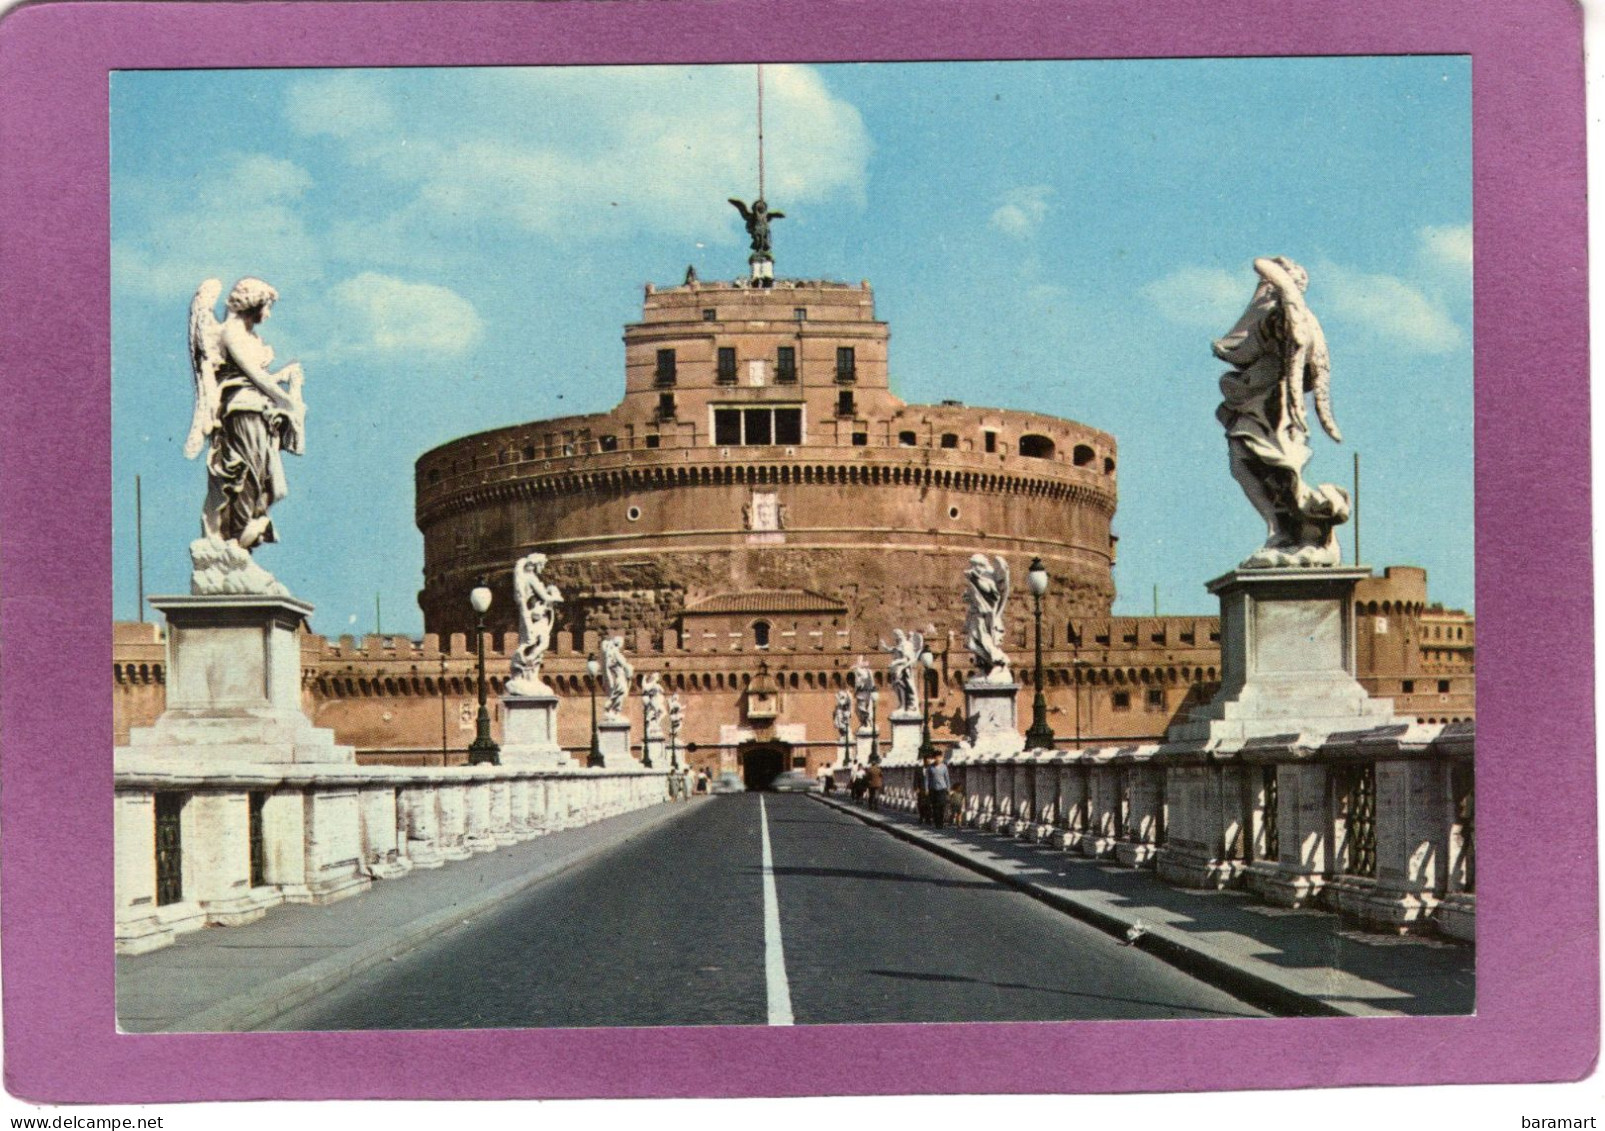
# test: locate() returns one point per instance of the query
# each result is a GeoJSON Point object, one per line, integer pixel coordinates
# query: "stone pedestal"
{"type": "Point", "coordinates": [654, 751]}
{"type": "Point", "coordinates": [907, 730]}
{"type": "Point", "coordinates": [989, 710]}
{"type": "Point", "coordinates": [866, 742]}
{"type": "Point", "coordinates": [234, 685]}
{"type": "Point", "coordinates": [1287, 658]}
{"type": "Point", "coordinates": [615, 742]}
{"type": "Point", "coordinates": [529, 732]}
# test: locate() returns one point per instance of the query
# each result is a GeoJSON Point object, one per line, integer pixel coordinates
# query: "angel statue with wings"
{"type": "Point", "coordinates": [986, 592]}
{"type": "Point", "coordinates": [248, 413]}
{"type": "Point", "coordinates": [537, 601]}
{"type": "Point", "coordinates": [905, 650]}
{"type": "Point", "coordinates": [652, 703]}
{"type": "Point", "coordinates": [1278, 356]}
{"type": "Point", "coordinates": [757, 219]}
{"type": "Point", "coordinates": [617, 673]}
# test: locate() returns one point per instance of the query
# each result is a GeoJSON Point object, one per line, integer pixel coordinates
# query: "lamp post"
{"type": "Point", "coordinates": [483, 749]}
{"type": "Point", "coordinates": [1040, 736]}
{"type": "Point", "coordinates": [674, 743]}
{"type": "Point", "coordinates": [927, 747]}
{"type": "Point", "coordinates": [595, 759]}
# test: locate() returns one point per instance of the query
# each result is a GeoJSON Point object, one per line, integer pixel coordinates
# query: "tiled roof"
{"type": "Point", "coordinates": [767, 601]}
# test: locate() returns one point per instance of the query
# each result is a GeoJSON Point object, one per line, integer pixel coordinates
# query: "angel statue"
{"type": "Point", "coordinates": [985, 595]}
{"type": "Point", "coordinates": [537, 601]}
{"type": "Point", "coordinates": [757, 219]}
{"type": "Point", "coordinates": [843, 715]}
{"type": "Point", "coordinates": [617, 673]}
{"type": "Point", "coordinates": [1278, 357]}
{"type": "Point", "coordinates": [250, 414]}
{"type": "Point", "coordinates": [652, 703]}
{"type": "Point", "coordinates": [905, 650]}
{"type": "Point", "coordinates": [676, 716]}
{"type": "Point", "coordinates": [865, 693]}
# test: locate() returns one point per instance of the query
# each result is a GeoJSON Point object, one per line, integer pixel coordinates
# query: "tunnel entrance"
{"type": "Point", "coordinates": [762, 762]}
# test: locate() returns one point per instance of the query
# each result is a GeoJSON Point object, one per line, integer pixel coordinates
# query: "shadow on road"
{"type": "Point", "coordinates": [915, 976]}
{"type": "Point", "coordinates": [866, 874]}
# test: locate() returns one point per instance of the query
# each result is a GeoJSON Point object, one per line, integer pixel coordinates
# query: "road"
{"type": "Point", "coordinates": [676, 928]}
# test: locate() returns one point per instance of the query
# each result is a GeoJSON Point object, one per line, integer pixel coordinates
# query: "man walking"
{"type": "Point", "coordinates": [937, 784]}
{"type": "Point", "coordinates": [873, 780]}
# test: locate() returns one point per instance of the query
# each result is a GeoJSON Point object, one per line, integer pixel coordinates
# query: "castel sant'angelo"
{"type": "Point", "coordinates": [760, 510]}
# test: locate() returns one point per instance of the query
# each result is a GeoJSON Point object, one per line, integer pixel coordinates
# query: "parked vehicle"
{"type": "Point", "coordinates": [795, 781]}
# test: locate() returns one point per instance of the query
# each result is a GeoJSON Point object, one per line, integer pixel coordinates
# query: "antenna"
{"type": "Point", "coordinates": [139, 544]}
{"type": "Point", "coordinates": [1356, 508]}
{"type": "Point", "coordinates": [760, 131]}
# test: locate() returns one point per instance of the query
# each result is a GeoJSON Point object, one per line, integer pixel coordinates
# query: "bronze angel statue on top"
{"type": "Point", "coordinates": [245, 414]}
{"type": "Point", "coordinates": [1279, 356]}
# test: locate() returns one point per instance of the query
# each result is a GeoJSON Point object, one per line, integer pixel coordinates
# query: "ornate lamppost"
{"type": "Point", "coordinates": [927, 747]}
{"type": "Point", "coordinates": [1040, 736]}
{"type": "Point", "coordinates": [595, 758]}
{"type": "Point", "coordinates": [483, 749]}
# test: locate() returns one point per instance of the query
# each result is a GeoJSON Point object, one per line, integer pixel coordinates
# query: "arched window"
{"type": "Point", "coordinates": [1036, 447]}
{"type": "Point", "coordinates": [1083, 455]}
{"type": "Point", "coordinates": [760, 633]}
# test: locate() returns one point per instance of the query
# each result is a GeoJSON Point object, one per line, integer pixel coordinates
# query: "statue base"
{"type": "Point", "coordinates": [990, 711]}
{"type": "Point", "coordinates": [866, 743]}
{"type": "Point", "coordinates": [654, 751]}
{"type": "Point", "coordinates": [529, 732]}
{"type": "Point", "coordinates": [1287, 658]}
{"type": "Point", "coordinates": [614, 736]}
{"type": "Point", "coordinates": [907, 730]}
{"type": "Point", "coordinates": [234, 685]}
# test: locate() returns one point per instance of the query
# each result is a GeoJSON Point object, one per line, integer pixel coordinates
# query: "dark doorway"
{"type": "Point", "coordinates": [761, 763]}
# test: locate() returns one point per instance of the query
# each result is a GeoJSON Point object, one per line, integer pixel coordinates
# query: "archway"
{"type": "Point", "coordinates": [762, 762]}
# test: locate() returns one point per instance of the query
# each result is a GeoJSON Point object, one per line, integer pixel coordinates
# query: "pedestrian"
{"type": "Point", "coordinates": [873, 780]}
{"type": "Point", "coordinates": [857, 786]}
{"type": "Point", "coordinates": [955, 806]}
{"type": "Point", "coordinates": [830, 783]}
{"type": "Point", "coordinates": [937, 784]}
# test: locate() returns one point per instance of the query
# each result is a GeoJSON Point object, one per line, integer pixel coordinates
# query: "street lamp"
{"type": "Point", "coordinates": [483, 749]}
{"type": "Point", "coordinates": [595, 759]}
{"type": "Point", "coordinates": [1040, 736]}
{"type": "Point", "coordinates": [927, 747]}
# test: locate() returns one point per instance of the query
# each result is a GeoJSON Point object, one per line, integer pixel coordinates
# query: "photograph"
{"type": "Point", "coordinates": [557, 684]}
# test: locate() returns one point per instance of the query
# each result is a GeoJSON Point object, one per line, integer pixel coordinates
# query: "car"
{"type": "Point", "coordinates": [795, 781]}
{"type": "Point", "coordinates": [728, 783]}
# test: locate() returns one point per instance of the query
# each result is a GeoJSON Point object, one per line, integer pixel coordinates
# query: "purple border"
{"type": "Point", "coordinates": [1538, 962]}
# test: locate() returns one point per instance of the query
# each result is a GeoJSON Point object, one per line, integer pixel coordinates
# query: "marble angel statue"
{"type": "Point", "coordinates": [652, 703]}
{"type": "Point", "coordinates": [842, 717]}
{"type": "Point", "coordinates": [986, 593]}
{"type": "Point", "coordinates": [902, 669]}
{"type": "Point", "coordinates": [865, 693]}
{"type": "Point", "coordinates": [617, 674]}
{"type": "Point", "coordinates": [1278, 356]}
{"type": "Point", "coordinates": [246, 415]}
{"type": "Point", "coordinates": [537, 600]}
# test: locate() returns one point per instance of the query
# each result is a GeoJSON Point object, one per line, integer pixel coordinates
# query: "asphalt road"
{"type": "Point", "coordinates": [669, 929]}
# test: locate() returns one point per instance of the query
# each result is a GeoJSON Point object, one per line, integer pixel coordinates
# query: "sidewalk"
{"type": "Point", "coordinates": [1292, 962]}
{"type": "Point", "coordinates": [233, 978]}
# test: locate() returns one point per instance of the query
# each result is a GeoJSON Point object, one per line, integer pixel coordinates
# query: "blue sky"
{"type": "Point", "coordinates": [458, 249]}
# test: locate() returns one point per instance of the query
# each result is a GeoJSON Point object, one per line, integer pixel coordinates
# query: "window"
{"type": "Point", "coordinates": [1036, 447]}
{"type": "Point", "coordinates": [727, 365]}
{"type": "Point", "coordinates": [950, 439]}
{"type": "Point", "coordinates": [665, 406]}
{"type": "Point", "coordinates": [1108, 466]}
{"type": "Point", "coordinates": [610, 443]}
{"type": "Point", "coordinates": [991, 441]}
{"type": "Point", "coordinates": [786, 364]}
{"type": "Point", "coordinates": [733, 426]}
{"type": "Point", "coordinates": [1407, 687]}
{"type": "Point", "coordinates": [952, 512]}
{"type": "Point", "coordinates": [1121, 700]}
{"type": "Point", "coordinates": [1443, 687]}
{"type": "Point", "coordinates": [434, 475]}
{"type": "Point", "coordinates": [665, 372]}
{"type": "Point", "coordinates": [1156, 699]}
{"type": "Point", "coordinates": [1083, 455]}
{"type": "Point", "coordinates": [906, 439]}
{"type": "Point", "coordinates": [529, 451]}
{"type": "Point", "coordinates": [860, 439]}
{"type": "Point", "coordinates": [846, 365]}
{"type": "Point", "coordinates": [633, 514]}
{"type": "Point", "coordinates": [653, 439]}
{"type": "Point", "coordinates": [710, 315]}
{"type": "Point", "coordinates": [800, 313]}
{"type": "Point", "coordinates": [844, 403]}
{"type": "Point", "coordinates": [760, 633]}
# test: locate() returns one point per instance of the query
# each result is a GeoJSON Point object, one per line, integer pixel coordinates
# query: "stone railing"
{"type": "Point", "coordinates": [222, 845]}
{"type": "Point", "coordinates": [1377, 825]}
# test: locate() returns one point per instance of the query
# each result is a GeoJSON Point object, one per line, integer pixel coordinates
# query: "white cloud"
{"type": "Point", "coordinates": [633, 149]}
{"type": "Point", "coordinates": [341, 104]}
{"type": "Point", "coordinates": [243, 218]}
{"type": "Point", "coordinates": [1448, 247]}
{"type": "Point", "coordinates": [1387, 305]}
{"type": "Point", "coordinates": [1201, 296]}
{"type": "Point", "coordinates": [1022, 211]}
{"type": "Point", "coordinates": [382, 314]}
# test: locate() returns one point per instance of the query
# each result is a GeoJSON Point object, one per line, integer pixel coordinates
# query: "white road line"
{"type": "Point", "coordinates": [774, 954]}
